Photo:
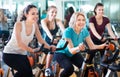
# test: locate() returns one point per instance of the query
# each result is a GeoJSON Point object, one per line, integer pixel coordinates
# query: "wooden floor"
{"type": "Point", "coordinates": [73, 75]}
{"type": "Point", "coordinates": [118, 74]}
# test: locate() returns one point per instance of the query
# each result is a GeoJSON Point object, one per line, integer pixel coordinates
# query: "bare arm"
{"type": "Point", "coordinates": [92, 45]}
{"type": "Point", "coordinates": [92, 28]}
{"type": "Point", "coordinates": [62, 28]}
{"type": "Point", "coordinates": [81, 47]}
{"type": "Point", "coordinates": [45, 28]}
{"type": "Point", "coordinates": [73, 49]}
{"type": "Point", "coordinates": [108, 26]}
{"type": "Point", "coordinates": [18, 29]}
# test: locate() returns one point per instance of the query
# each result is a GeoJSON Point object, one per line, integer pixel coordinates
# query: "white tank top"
{"type": "Point", "coordinates": [12, 46]}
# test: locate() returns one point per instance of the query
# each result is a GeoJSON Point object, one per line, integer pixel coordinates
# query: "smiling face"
{"type": "Point", "coordinates": [80, 21]}
{"type": "Point", "coordinates": [32, 15]}
{"type": "Point", "coordinates": [99, 10]}
{"type": "Point", "coordinates": [52, 12]}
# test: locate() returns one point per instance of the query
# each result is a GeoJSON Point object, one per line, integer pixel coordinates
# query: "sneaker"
{"type": "Point", "coordinates": [48, 72]}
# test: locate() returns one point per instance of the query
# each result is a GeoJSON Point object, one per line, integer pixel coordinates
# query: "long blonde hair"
{"type": "Point", "coordinates": [73, 18]}
{"type": "Point", "coordinates": [3, 18]}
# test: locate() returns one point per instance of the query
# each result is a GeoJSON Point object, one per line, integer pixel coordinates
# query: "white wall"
{"type": "Point", "coordinates": [59, 8]}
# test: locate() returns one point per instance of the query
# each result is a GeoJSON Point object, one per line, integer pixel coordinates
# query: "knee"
{"type": "Point", "coordinates": [28, 73]}
{"type": "Point", "coordinates": [67, 71]}
{"type": "Point", "coordinates": [70, 69]}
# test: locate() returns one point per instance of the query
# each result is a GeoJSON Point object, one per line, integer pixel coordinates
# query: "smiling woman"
{"type": "Point", "coordinates": [51, 26]}
{"type": "Point", "coordinates": [98, 24]}
{"type": "Point", "coordinates": [70, 55]}
{"type": "Point", "coordinates": [14, 53]}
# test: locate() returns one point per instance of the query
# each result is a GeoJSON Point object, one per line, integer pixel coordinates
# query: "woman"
{"type": "Point", "coordinates": [4, 32]}
{"type": "Point", "coordinates": [14, 54]}
{"type": "Point", "coordinates": [51, 26]}
{"type": "Point", "coordinates": [98, 24]}
{"type": "Point", "coordinates": [68, 14]}
{"type": "Point", "coordinates": [75, 34]}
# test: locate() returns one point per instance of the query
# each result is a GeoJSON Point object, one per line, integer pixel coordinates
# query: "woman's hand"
{"type": "Point", "coordinates": [116, 38]}
{"type": "Point", "coordinates": [53, 48]}
{"type": "Point", "coordinates": [55, 41]}
{"type": "Point", "coordinates": [30, 50]}
{"type": "Point", "coordinates": [104, 46]}
{"type": "Point", "coordinates": [81, 47]}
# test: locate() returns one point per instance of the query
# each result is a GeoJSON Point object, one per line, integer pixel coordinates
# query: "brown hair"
{"type": "Point", "coordinates": [25, 11]}
{"type": "Point", "coordinates": [51, 7]}
{"type": "Point", "coordinates": [98, 4]}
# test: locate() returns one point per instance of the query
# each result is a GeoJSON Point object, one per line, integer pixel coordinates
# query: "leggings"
{"type": "Point", "coordinates": [67, 63]}
{"type": "Point", "coordinates": [20, 63]}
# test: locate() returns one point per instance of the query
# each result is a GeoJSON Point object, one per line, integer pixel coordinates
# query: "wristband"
{"type": "Point", "coordinates": [77, 51]}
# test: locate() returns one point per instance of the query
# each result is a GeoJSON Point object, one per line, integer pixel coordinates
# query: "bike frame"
{"type": "Point", "coordinates": [109, 62]}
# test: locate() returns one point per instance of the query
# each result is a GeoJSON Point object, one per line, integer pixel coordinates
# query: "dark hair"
{"type": "Point", "coordinates": [71, 10]}
{"type": "Point", "coordinates": [98, 4]}
{"type": "Point", "coordinates": [26, 10]}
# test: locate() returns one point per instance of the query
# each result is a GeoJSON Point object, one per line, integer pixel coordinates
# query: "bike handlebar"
{"type": "Point", "coordinates": [46, 50]}
{"type": "Point", "coordinates": [110, 39]}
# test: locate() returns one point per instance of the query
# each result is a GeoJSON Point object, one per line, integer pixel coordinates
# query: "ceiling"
{"type": "Point", "coordinates": [21, 1]}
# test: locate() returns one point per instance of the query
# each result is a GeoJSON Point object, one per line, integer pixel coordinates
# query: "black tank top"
{"type": "Point", "coordinates": [53, 32]}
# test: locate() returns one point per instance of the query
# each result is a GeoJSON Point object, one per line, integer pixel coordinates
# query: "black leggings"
{"type": "Point", "coordinates": [67, 63]}
{"type": "Point", "coordinates": [19, 63]}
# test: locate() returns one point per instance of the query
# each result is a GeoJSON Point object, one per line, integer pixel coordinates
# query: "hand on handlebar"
{"type": "Point", "coordinates": [105, 46]}
{"type": "Point", "coordinates": [81, 47]}
{"type": "Point", "coordinates": [116, 38]}
{"type": "Point", "coordinates": [53, 48]}
{"type": "Point", "coordinates": [55, 41]}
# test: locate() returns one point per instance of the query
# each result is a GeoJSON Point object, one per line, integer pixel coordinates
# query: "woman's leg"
{"type": "Point", "coordinates": [48, 70]}
{"type": "Point", "coordinates": [49, 60]}
{"type": "Point", "coordinates": [77, 60]}
{"type": "Point", "coordinates": [65, 63]}
{"type": "Point", "coordinates": [19, 63]}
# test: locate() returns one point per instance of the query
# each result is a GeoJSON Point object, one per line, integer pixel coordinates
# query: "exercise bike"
{"type": "Point", "coordinates": [88, 68]}
{"type": "Point", "coordinates": [1, 72]}
{"type": "Point", "coordinates": [42, 64]}
{"type": "Point", "coordinates": [109, 60]}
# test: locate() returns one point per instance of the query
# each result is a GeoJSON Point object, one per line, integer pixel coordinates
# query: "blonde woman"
{"type": "Point", "coordinates": [51, 26]}
{"type": "Point", "coordinates": [75, 34]}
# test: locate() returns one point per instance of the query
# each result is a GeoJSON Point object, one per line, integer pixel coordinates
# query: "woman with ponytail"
{"type": "Point", "coordinates": [14, 54]}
